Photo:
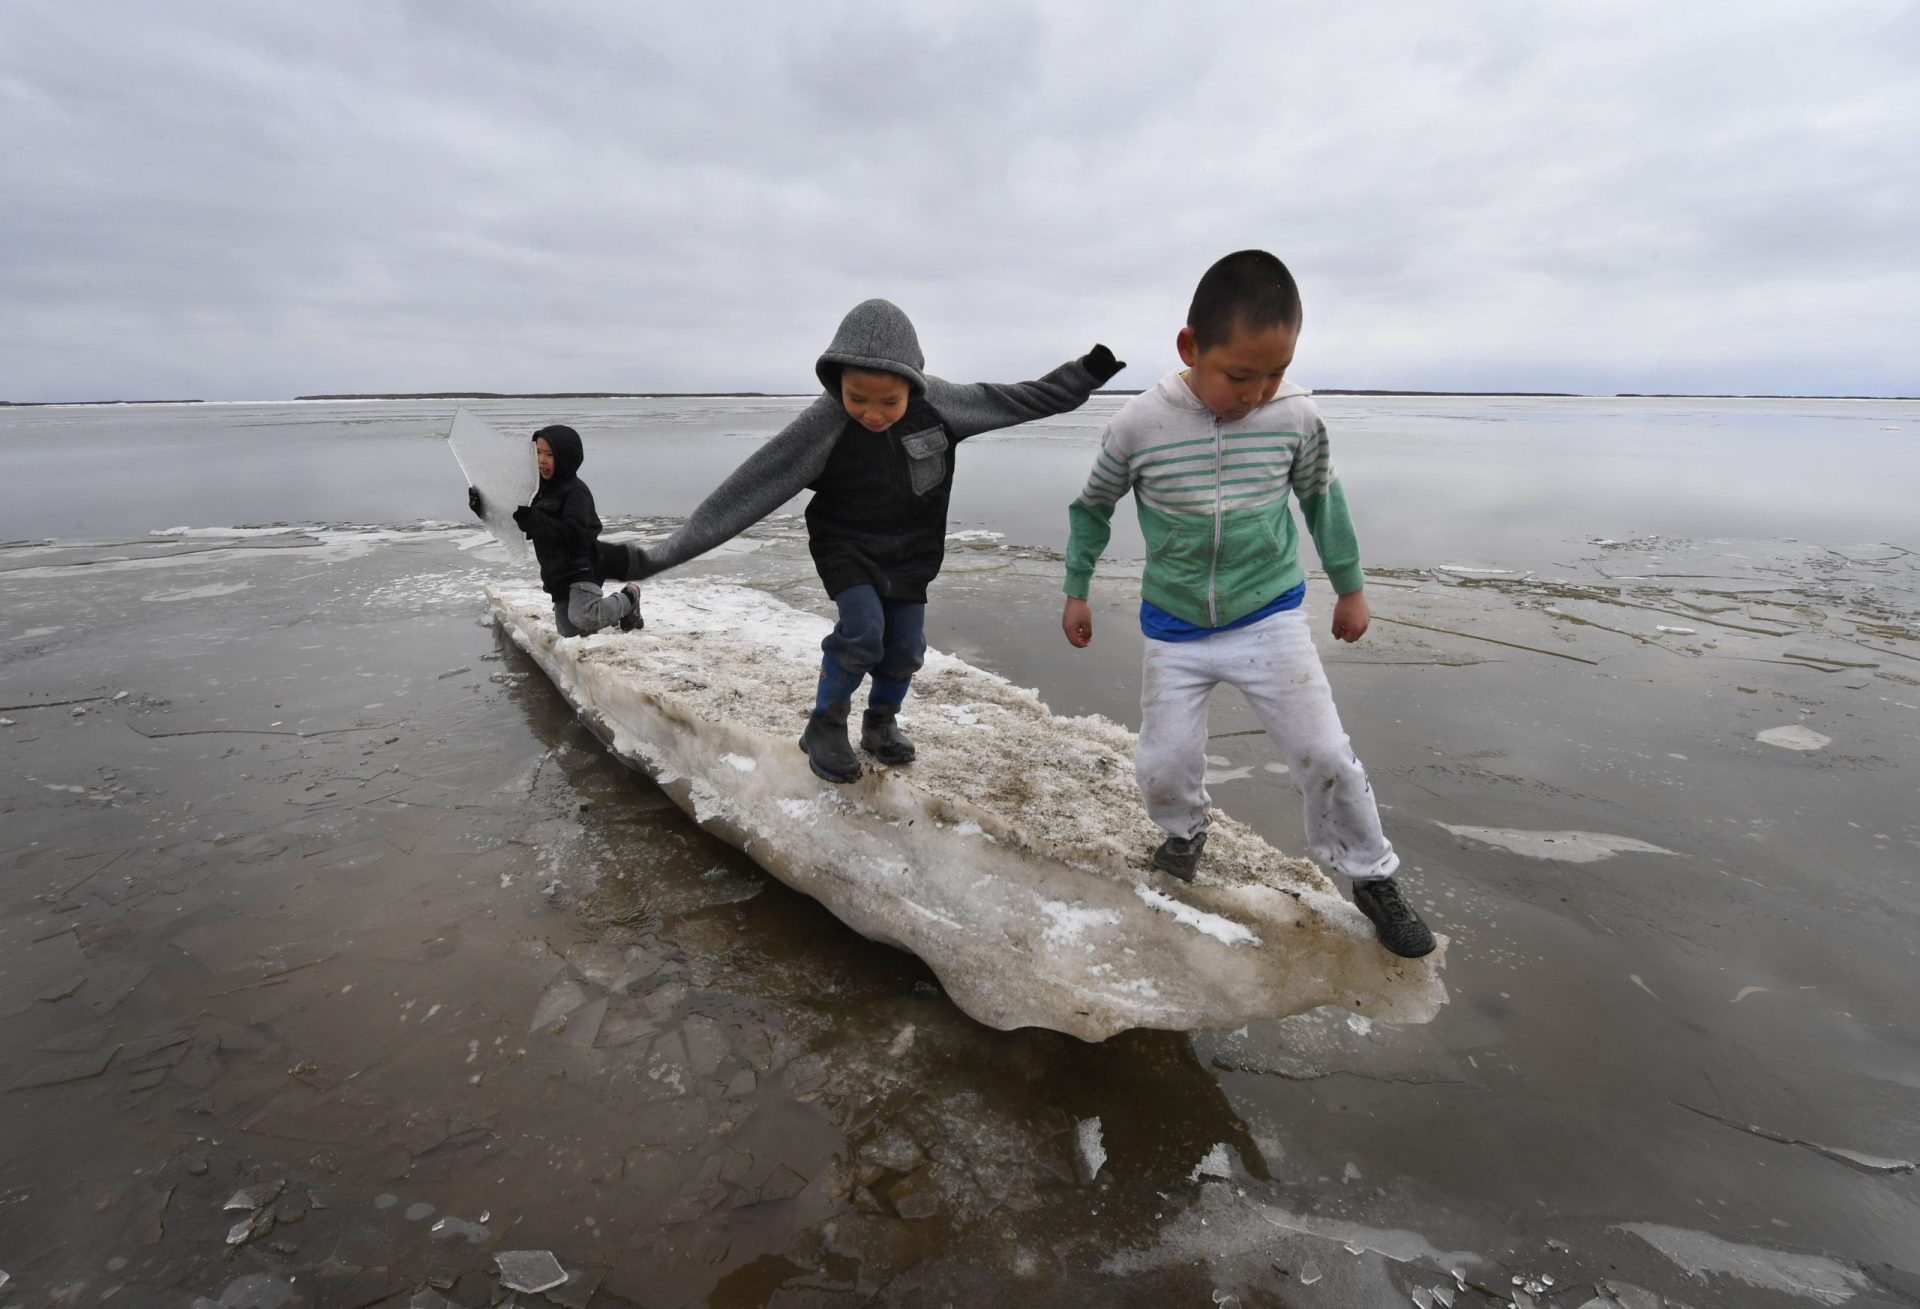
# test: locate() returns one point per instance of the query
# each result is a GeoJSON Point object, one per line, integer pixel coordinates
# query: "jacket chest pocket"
{"type": "Point", "coordinates": [926, 458]}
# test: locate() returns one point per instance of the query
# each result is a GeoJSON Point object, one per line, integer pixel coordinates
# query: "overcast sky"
{"type": "Point", "coordinates": [237, 199]}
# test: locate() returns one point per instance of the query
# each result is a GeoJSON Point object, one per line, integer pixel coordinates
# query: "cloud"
{"type": "Point", "coordinates": [229, 200]}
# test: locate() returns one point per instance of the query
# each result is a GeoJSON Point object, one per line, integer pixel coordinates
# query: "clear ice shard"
{"type": "Point", "coordinates": [1010, 856]}
{"type": "Point", "coordinates": [501, 467]}
{"type": "Point", "coordinates": [531, 1271]}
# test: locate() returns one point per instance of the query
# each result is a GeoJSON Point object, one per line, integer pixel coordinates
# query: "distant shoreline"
{"type": "Point", "coordinates": [783, 395]}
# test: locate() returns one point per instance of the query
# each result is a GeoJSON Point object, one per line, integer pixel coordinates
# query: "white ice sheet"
{"type": "Point", "coordinates": [503, 468]}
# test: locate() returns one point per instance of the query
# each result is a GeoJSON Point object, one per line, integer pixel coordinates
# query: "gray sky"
{"type": "Point", "coordinates": [230, 199]}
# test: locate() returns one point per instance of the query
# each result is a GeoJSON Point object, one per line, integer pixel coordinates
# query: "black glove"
{"type": "Point", "coordinates": [523, 519]}
{"type": "Point", "coordinates": [1100, 362]}
{"type": "Point", "coordinates": [476, 502]}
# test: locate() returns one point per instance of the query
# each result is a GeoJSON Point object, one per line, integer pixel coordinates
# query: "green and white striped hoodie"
{"type": "Point", "coordinates": [1212, 498]}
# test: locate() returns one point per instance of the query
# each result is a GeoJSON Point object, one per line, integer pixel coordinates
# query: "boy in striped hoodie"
{"type": "Point", "coordinates": [1211, 455]}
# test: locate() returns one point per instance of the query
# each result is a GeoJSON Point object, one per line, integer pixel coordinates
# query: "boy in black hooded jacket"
{"type": "Point", "coordinates": [565, 530]}
{"type": "Point", "coordinates": [876, 448]}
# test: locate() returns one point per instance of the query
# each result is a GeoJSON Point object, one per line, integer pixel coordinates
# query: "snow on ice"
{"type": "Point", "coordinates": [1011, 856]}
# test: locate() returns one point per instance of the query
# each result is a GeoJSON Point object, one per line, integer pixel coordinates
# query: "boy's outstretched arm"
{"type": "Point", "coordinates": [770, 476]}
{"type": "Point", "coordinates": [971, 408]}
{"type": "Point", "coordinates": [1089, 528]}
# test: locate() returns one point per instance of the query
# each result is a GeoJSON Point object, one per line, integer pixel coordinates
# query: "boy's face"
{"type": "Point", "coordinates": [543, 455]}
{"type": "Point", "coordinates": [874, 400]}
{"type": "Point", "coordinates": [1236, 376]}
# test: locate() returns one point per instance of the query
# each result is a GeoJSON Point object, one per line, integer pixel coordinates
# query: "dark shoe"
{"type": "Point", "coordinates": [1399, 928]}
{"type": "Point", "coordinates": [828, 751]}
{"type": "Point", "coordinates": [880, 737]}
{"type": "Point", "coordinates": [1179, 855]}
{"type": "Point", "coordinates": [633, 622]}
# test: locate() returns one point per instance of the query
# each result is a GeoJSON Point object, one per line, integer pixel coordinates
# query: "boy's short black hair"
{"type": "Point", "coordinates": [1248, 287]}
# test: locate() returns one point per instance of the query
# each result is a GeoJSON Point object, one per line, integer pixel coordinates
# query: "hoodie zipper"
{"type": "Point", "coordinates": [1213, 570]}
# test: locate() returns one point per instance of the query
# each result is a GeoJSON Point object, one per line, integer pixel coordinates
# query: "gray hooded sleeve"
{"type": "Point", "coordinates": [770, 476]}
{"type": "Point", "coordinates": [971, 408]}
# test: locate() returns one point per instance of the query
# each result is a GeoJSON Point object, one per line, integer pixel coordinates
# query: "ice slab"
{"type": "Point", "coordinates": [502, 468]}
{"type": "Point", "coordinates": [531, 1271]}
{"type": "Point", "coordinates": [1810, 1276]}
{"type": "Point", "coordinates": [1794, 737]}
{"type": "Point", "coordinates": [1089, 1153]}
{"type": "Point", "coordinates": [1011, 856]}
{"type": "Point", "coordinates": [1566, 847]}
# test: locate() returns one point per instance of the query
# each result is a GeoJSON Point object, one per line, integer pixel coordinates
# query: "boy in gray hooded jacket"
{"type": "Point", "coordinates": [876, 448]}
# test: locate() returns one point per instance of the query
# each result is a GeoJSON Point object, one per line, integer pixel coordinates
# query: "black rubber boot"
{"type": "Point", "coordinates": [1395, 922]}
{"type": "Point", "coordinates": [1180, 855]}
{"type": "Point", "coordinates": [828, 751]}
{"type": "Point", "coordinates": [880, 736]}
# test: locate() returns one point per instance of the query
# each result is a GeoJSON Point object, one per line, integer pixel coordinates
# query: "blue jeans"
{"type": "Point", "coordinates": [887, 638]}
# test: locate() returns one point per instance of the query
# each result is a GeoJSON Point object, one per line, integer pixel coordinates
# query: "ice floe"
{"type": "Point", "coordinates": [1567, 847]}
{"type": "Point", "coordinates": [1813, 1276]}
{"type": "Point", "coordinates": [1011, 856]}
{"type": "Point", "coordinates": [1794, 737]}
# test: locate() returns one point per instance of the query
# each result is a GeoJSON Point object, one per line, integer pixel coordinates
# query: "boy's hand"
{"type": "Point", "coordinates": [1351, 616]}
{"type": "Point", "coordinates": [476, 502]}
{"type": "Point", "coordinates": [1076, 620]}
{"type": "Point", "coordinates": [523, 519]}
{"type": "Point", "coordinates": [1100, 362]}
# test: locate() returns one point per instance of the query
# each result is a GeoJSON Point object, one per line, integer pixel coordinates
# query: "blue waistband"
{"type": "Point", "coordinates": [1159, 625]}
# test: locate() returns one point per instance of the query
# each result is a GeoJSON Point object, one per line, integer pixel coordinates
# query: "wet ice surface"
{"type": "Point", "coordinates": [273, 928]}
{"type": "Point", "coordinates": [1010, 857]}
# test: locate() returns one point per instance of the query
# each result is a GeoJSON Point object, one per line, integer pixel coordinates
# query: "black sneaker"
{"type": "Point", "coordinates": [880, 737]}
{"type": "Point", "coordinates": [1179, 855]}
{"type": "Point", "coordinates": [1394, 920]}
{"type": "Point", "coordinates": [829, 753]}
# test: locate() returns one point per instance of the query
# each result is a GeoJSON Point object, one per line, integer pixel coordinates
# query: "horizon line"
{"type": "Point", "coordinates": [336, 397]}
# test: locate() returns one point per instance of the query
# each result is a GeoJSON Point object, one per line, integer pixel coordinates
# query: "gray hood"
{"type": "Point", "coordinates": [877, 336]}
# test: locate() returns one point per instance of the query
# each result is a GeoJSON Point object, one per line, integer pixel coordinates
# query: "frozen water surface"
{"type": "Point", "coordinates": [220, 894]}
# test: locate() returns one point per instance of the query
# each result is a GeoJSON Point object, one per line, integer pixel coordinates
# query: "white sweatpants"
{"type": "Point", "coordinates": [1274, 664]}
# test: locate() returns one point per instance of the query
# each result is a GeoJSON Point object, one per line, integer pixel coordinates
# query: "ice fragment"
{"type": "Point", "coordinates": [1089, 1153]}
{"type": "Point", "coordinates": [1216, 1164]}
{"type": "Point", "coordinates": [1309, 1273]}
{"type": "Point", "coordinates": [578, 1290]}
{"type": "Point", "coordinates": [1795, 737]}
{"type": "Point", "coordinates": [449, 1227]}
{"type": "Point", "coordinates": [249, 1227]}
{"type": "Point", "coordinates": [257, 1291]}
{"type": "Point", "coordinates": [254, 1197]}
{"type": "Point", "coordinates": [531, 1271]}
